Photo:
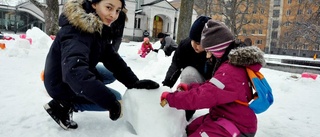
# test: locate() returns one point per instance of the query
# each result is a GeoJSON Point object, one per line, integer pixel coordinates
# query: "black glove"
{"type": "Point", "coordinates": [145, 84]}
{"type": "Point", "coordinates": [115, 111]}
{"type": "Point", "coordinates": [155, 50]}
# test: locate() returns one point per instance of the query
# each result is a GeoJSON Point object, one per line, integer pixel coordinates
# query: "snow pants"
{"type": "Point", "coordinates": [108, 78]}
{"type": "Point", "coordinates": [204, 126]}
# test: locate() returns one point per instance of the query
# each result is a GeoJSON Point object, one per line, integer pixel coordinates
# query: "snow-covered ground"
{"type": "Point", "coordinates": [295, 111]}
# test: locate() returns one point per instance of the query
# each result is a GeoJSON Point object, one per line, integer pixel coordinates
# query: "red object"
{"type": "Point", "coordinates": [30, 40]}
{"type": "Point", "coordinates": [7, 38]}
{"type": "Point", "coordinates": [182, 87]}
{"type": "Point", "coordinates": [23, 36]}
{"type": "Point", "coordinates": [52, 37]}
{"type": "Point", "coordinates": [309, 75]}
{"type": "Point", "coordinates": [164, 95]}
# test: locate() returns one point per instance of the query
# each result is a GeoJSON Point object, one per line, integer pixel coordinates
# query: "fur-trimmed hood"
{"type": "Point", "coordinates": [75, 14]}
{"type": "Point", "coordinates": [246, 56]}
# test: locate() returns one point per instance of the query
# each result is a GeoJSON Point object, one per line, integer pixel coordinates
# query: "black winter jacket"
{"type": "Point", "coordinates": [81, 43]}
{"type": "Point", "coordinates": [186, 56]}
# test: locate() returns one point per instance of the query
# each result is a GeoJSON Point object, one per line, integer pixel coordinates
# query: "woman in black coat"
{"type": "Point", "coordinates": [70, 75]}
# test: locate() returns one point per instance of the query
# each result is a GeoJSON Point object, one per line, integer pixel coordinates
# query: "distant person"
{"type": "Point", "coordinates": [146, 33]}
{"type": "Point", "coordinates": [229, 83]}
{"type": "Point", "coordinates": [1, 35]}
{"type": "Point", "coordinates": [190, 61]}
{"type": "Point", "coordinates": [146, 47]}
{"type": "Point", "coordinates": [70, 75]}
{"type": "Point", "coordinates": [168, 45]}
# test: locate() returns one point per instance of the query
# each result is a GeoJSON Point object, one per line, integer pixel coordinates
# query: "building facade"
{"type": "Point", "coordinates": [153, 16]}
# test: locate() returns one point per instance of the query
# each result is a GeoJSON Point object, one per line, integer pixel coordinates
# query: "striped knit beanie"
{"type": "Point", "coordinates": [216, 37]}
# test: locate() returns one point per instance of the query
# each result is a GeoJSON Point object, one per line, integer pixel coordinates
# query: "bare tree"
{"type": "Point", "coordinates": [185, 17]}
{"type": "Point", "coordinates": [51, 13]}
{"type": "Point", "coordinates": [303, 29]}
{"type": "Point", "coordinates": [235, 13]}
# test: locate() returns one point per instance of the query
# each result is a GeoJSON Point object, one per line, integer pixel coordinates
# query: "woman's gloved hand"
{"type": "Point", "coordinates": [145, 84]}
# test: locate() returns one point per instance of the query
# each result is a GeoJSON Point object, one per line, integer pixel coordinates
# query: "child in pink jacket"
{"type": "Point", "coordinates": [146, 47]}
{"type": "Point", "coordinates": [230, 82]}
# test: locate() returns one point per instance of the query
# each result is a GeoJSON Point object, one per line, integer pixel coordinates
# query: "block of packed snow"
{"type": "Point", "coordinates": [142, 110]}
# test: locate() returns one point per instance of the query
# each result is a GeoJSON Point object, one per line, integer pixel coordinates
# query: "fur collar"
{"type": "Point", "coordinates": [246, 56]}
{"type": "Point", "coordinates": [77, 17]}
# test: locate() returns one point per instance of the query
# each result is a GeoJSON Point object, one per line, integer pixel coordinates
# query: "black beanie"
{"type": "Point", "coordinates": [196, 28]}
{"type": "Point", "coordinates": [160, 35]}
{"type": "Point", "coordinates": [122, 1]}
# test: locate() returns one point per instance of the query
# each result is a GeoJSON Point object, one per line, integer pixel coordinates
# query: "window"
{"type": "Point", "coordinates": [273, 44]}
{"type": "Point", "coordinates": [305, 47]}
{"type": "Point", "coordinates": [259, 41]}
{"type": "Point", "coordinates": [299, 1]}
{"type": "Point", "coordinates": [286, 34]}
{"type": "Point", "coordinates": [254, 21]}
{"type": "Point", "coordinates": [288, 12]}
{"type": "Point", "coordinates": [254, 12]}
{"type": "Point", "coordinates": [287, 23]}
{"type": "Point", "coordinates": [274, 34]}
{"type": "Point", "coordinates": [316, 48]}
{"type": "Point", "coordinates": [262, 11]}
{"type": "Point", "coordinates": [276, 13]}
{"type": "Point", "coordinates": [299, 12]}
{"type": "Point", "coordinates": [137, 22]}
{"type": "Point", "coordinates": [260, 31]}
{"type": "Point", "coordinates": [252, 31]}
{"type": "Point", "coordinates": [289, 1]}
{"type": "Point", "coordinates": [309, 11]}
{"type": "Point", "coordinates": [244, 31]}
{"type": "Point", "coordinates": [276, 3]}
{"type": "Point", "coordinates": [261, 21]}
{"type": "Point", "coordinates": [275, 24]}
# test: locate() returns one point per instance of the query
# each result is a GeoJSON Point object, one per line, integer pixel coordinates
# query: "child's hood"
{"type": "Point", "coordinates": [246, 56]}
{"type": "Point", "coordinates": [76, 15]}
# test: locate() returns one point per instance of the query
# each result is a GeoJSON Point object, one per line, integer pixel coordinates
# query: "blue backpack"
{"type": "Point", "coordinates": [263, 97]}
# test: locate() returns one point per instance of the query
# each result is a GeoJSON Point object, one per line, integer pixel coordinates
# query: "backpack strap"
{"type": "Point", "coordinates": [262, 98]}
{"type": "Point", "coordinates": [251, 75]}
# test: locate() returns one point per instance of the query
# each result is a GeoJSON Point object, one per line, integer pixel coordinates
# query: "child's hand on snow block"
{"type": "Point", "coordinates": [116, 111]}
{"type": "Point", "coordinates": [182, 87]}
{"type": "Point", "coordinates": [163, 97]}
{"type": "Point", "coordinates": [146, 84]}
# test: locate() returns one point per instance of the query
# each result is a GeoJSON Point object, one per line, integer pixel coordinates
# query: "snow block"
{"type": "Point", "coordinates": [309, 75]}
{"type": "Point", "coordinates": [142, 110]}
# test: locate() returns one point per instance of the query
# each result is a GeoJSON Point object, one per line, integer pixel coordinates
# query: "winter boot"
{"type": "Point", "coordinates": [61, 112]}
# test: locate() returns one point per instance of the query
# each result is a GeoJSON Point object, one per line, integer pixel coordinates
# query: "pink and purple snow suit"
{"type": "Point", "coordinates": [229, 83]}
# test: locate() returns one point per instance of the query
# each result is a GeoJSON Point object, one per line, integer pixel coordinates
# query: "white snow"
{"type": "Point", "coordinates": [295, 111]}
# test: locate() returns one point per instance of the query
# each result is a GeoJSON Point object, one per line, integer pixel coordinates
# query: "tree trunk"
{"type": "Point", "coordinates": [51, 14]}
{"type": "Point", "coordinates": [185, 18]}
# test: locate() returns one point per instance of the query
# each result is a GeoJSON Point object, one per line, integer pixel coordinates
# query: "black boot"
{"type": "Point", "coordinates": [189, 114]}
{"type": "Point", "coordinates": [61, 112]}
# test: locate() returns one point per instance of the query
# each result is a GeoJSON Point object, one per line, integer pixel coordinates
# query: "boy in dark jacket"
{"type": "Point", "coordinates": [70, 74]}
{"type": "Point", "coordinates": [190, 61]}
